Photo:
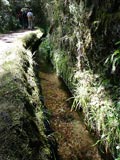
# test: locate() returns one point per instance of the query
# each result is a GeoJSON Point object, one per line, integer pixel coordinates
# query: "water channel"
{"type": "Point", "coordinates": [73, 139]}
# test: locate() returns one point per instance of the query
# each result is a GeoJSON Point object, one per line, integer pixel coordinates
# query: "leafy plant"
{"type": "Point", "coordinates": [114, 59]}
{"type": "Point", "coordinates": [44, 49]}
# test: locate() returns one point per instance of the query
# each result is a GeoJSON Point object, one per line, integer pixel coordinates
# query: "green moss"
{"type": "Point", "coordinates": [22, 132]}
{"type": "Point", "coordinates": [7, 65]}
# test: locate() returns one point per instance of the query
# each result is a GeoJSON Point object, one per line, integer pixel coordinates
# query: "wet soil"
{"type": "Point", "coordinates": [73, 139]}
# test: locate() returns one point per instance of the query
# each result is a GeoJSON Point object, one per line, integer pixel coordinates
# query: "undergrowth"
{"type": "Point", "coordinates": [83, 37]}
{"type": "Point", "coordinates": [101, 109]}
{"type": "Point", "coordinates": [98, 98]}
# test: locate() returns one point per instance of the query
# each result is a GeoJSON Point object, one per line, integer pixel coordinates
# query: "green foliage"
{"type": "Point", "coordinates": [8, 19]}
{"type": "Point", "coordinates": [44, 49]}
{"type": "Point", "coordinates": [86, 31]}
{"type": "Point", "coordinates": [114, 59]}
{"type": "Point", "coordinates": [118, 158]}
{"type": "Point", "coordinates": [101, 110]}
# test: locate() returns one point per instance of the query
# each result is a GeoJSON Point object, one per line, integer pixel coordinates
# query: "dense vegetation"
{"type": "Point", "coordinates": [84, 47]}
{"type": "Point", "coordinates": [8, 19]}
{"type": "Point", "coordinates": [85, 51]}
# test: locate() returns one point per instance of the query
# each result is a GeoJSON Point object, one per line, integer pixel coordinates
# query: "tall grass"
{"type": "Point", "coordinates": [101, 114]}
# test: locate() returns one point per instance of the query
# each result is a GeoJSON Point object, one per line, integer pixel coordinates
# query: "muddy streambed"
{"type": "Point", "coordinates": [73, 139]}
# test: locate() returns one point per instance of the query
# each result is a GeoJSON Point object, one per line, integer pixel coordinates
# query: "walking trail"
{"type": "Point", "coordinates": [7, 40]}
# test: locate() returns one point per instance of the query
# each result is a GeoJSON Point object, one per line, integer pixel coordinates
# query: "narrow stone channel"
{"type": "Point", "coordinates": [74, 141]}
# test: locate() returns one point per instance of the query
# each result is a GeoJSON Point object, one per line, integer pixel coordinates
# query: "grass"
{"type": "Point", "coordinates": [100, 111]}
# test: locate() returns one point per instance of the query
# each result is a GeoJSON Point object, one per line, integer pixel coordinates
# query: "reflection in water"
{"type": "Point", "coordinates": [74, 141]}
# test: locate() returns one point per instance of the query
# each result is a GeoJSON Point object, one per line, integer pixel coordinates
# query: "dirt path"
{"type": "Point", "coordinates": [74, 141]}
{"type": "Point", "coordinates": [7, 40]}
{"type": "Point", "coordinates": [11, 36]}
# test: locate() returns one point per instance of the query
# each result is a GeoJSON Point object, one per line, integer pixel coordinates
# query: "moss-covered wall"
{"type": "Point", "coordinates": [22, 119]}
{"type": "Point", "coordinates": [82, 37]}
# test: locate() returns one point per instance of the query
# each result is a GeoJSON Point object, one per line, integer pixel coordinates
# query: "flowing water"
{"type": "Point", "coordinates": [73, 139]}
